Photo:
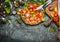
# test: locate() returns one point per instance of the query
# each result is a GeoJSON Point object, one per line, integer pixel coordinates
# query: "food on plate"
{"type": "Point", "coordinates": [30, 15]}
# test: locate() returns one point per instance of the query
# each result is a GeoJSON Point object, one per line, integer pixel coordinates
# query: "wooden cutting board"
{"type": "Point", "coordinates": [54, 4]}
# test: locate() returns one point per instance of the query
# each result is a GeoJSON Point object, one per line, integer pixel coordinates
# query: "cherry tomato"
{"type": "Point", "coordinates": [55, 19]}
{"type": "Point", "coordinates": [55, 14]}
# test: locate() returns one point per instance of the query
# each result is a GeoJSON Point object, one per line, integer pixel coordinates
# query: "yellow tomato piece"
{"type": "Point", "coordinates": [52, 15]}
{"type": "Point", "coordinates": [19, 10]}
{"type": "Point", "coordinates": [56, 10]}
{"type": "Point", "coordinates": [18, 13]}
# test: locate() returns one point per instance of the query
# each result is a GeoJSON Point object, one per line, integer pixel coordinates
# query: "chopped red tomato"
{"type": "Point", "coordinates": [39, 14]}
{"type": "Point", "coordinates": [28, 11]}
{"type": "Point", "coordinates": [34, 9]}
{"type": "Point", "coordinates": [31, 10]}
{"type": "Point", "coordinates": [23, 12]}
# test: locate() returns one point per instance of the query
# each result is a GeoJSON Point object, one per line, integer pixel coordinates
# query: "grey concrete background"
{"type": "Point", "coordinates": [26, 32]}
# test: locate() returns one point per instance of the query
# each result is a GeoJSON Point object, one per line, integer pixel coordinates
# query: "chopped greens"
{"type": "Point", "coordinates": [53, 29]}
{"type": "Point", "coordinates": [25, 4]}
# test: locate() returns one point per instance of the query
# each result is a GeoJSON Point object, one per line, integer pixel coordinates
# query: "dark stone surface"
{"type": "Point", "coordinates": [23, 32]}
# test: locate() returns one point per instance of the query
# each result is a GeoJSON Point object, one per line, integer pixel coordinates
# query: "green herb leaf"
{"type": "Point", "coordinates": [7, 10]}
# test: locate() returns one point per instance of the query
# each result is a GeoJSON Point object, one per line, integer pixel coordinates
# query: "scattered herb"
{"type": "Point", "coordinates": [53, 29]}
